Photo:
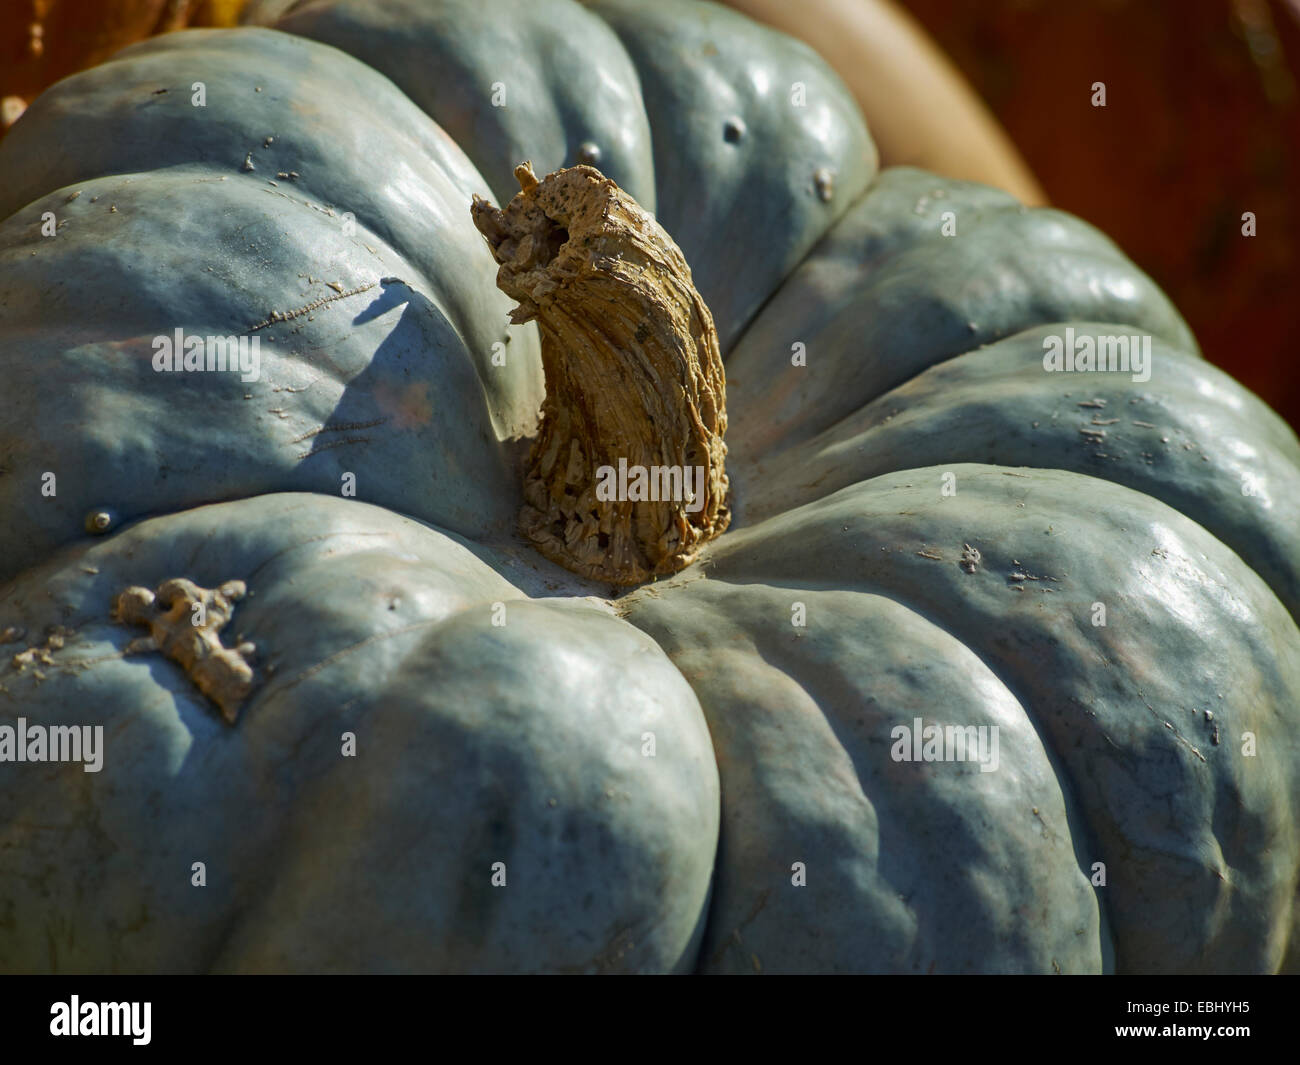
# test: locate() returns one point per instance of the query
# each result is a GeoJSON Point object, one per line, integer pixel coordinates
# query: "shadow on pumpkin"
{"type": "Point", "coordinates": [419, 400]}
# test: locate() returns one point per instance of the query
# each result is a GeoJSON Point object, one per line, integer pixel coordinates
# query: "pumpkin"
{"type": "Point", "coordinates": [354, 719]}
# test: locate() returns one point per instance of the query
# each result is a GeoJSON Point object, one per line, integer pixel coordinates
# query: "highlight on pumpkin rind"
{"type": "Point", "coordinates": [922, 111]}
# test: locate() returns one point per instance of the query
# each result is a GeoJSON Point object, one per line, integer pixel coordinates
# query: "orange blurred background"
{"type": "Point", "coordinates": [1201, 124]}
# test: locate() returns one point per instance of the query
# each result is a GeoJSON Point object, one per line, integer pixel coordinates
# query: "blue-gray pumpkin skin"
{"type": "Point", "coordinates": [698, 775]}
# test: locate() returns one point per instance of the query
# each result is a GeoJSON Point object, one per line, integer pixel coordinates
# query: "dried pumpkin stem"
{"type": "Point", "coordinates": [625, 480]}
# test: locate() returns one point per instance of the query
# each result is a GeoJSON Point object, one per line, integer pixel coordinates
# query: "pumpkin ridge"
{"type": "Point", "coordinates": [1188, 612]}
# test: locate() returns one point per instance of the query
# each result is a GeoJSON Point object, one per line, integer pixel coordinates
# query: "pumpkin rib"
{"type": "Point", "coordinates": [122, 124]}
{"type": "Point", "coordinates": [97, 413]}
{"type": "Point", "coordinates": [553, 783]}
{"type": "Point", "coordinates": [865, 537]}
{"type": "Point", "coordinates": [719, 198]}
{"type": "Point", "coordinates": [568, 80]}
{"type": "Point", "coordinates": [773, 743]}
{"type": "Point", "coordinates": [888, 286]}
{"type": "Point", "coordinates": [212, 285]}
{"type": "Point", "coordinates": [995, 405]}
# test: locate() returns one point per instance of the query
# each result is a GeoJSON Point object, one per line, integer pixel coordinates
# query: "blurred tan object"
{"type": "Point", "coordinates": [921, 110]}
{"type": "Point", "coordinates": [11, 109]}
{"type": "Point", "coordinates": [42, 41]}
{"type": "Point", "coordinates": [218, 13]}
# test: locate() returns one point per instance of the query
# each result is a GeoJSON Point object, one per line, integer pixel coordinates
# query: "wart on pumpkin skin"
{"type": "Point", "coordinates": [185, 623]}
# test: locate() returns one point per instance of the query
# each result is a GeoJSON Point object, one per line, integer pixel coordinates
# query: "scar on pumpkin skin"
{"type": "Point", "coordinates": [221, 673]}
{"type": "Point", "coordinates": [633, 375]}
{"type": "Point", "coordinates": [342, 427]}
{"type": "Point", "coordinates": [276, 317]}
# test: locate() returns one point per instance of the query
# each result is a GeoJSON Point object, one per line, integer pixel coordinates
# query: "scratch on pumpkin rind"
{"type": "Point", "coordinates": [334, 443]}
{"type": "Point", "coordinates": [342, 427]}
{"type": "Point", "coordinates": [276, 317]}
{"type": "Point", "coordinates": [734, 939]}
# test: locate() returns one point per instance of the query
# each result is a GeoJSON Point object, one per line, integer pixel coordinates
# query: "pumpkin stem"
{"type": "Point", "coordinates": [625, 479]}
